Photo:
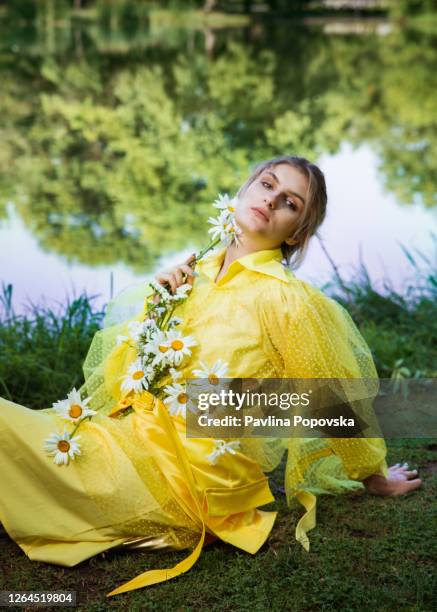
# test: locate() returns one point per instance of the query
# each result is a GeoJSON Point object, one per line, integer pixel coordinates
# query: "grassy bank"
{"type": "Point", "coordinates": [400, 328]}
{"type": "Point", "coordinates": [366, 552]}
{"type": "Point", "coordinates": [41, 353]}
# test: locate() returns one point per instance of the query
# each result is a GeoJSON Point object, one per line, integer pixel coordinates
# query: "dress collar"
{"type": "Point", "coordinates": [267, 262]}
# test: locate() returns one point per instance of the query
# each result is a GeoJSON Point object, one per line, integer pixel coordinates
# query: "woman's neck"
{"type": "Point", "coordinates": [234, 252]}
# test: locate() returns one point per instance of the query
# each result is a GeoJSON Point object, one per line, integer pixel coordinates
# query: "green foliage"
{"type": "Point", "coordinates": [118, 128]}
{"type": "Point", "coordinates": [114, 143]}
{"type": "Point", "coordinates": [41, 353]}
{"type": "Point", "coordinates": [400, 328]}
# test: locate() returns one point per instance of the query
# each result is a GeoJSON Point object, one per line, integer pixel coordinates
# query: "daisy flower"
{"type": "Point", "coordinates": [182, 291]}
{"type": "Point", "coordinates": [138, 329]}
{"type": "Point", "coordinates": [232, 229]}
{"type": "Point", "coordinates": [137, 378]}
{"type": "Point", "coordinates": [135, 330]}
{"type": "Point", "coordinates": [73, 408]}
{"type": "Point", "coordinates": [62, 446]}
{"type": "Point", "coordinates": [221, 448]}
{"type": "Point", "coordinates": [213, 374]}
{"type": "Point", "coordinates": [164, 295]}
{"type": "Point", "coordinates": [178, 346]}
{"type": "Point", "coordinates": [177, 399]}
{"type": "Point", "coordinates": [158, 347]}
{"type": "Point", "coordinates": [219, 226]}
{"type": "Point", "coordinates": [224, 226]}
{"type": "Point", "coordinates": [225, 203]}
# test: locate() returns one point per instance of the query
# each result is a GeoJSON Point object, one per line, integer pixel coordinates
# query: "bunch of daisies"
{"type": "Point", "coordinates": [224, 227]}
{"type": "Point", "coordinates": [161, 349]}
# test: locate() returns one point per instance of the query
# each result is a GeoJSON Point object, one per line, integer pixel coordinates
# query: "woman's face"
{"type": "Point", "coordinates": [269, 209]}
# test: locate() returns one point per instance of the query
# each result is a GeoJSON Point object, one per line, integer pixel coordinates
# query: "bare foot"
{"type": "Point", "coordinates": [400, 480]}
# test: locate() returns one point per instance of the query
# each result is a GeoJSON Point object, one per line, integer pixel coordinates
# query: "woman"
{"type": "Point", "coordinates": [139, 480]}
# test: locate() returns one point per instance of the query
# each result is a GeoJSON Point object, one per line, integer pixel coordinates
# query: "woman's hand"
{"type": "Point", "coordinates": [400, 480]}
{"type": "Point", "coordinates": [177, 276]}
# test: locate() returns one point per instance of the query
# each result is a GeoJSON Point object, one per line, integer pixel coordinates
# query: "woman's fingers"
{"type": "Point", "coordinates": [190, 258]}
{"type": "Point", "coordinates": [410, 473]}
{"type": "Point", "coordinates": [189, 273]}
{"type": "Point", "coordinates": [394, 468]}
{"type": "Point", "coordinates": [401, 473]}
{"type": "Point", "coordinates": [399, 467]}
{"type": "Point", "coordinates": [173, 279]}
{"type": "Point", "coordinates": [400, 480]}
{"type": "Point", "coordinates": [401, 488]}
{"type": "Point", "coordinates": [177, 274]}
{"type": "Point", "coordinates": [187, 269]}
{"type": "Point", "coordinates": [167, 278]}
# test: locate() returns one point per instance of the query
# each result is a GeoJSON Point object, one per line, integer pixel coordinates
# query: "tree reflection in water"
{"type": "Point", "coordinates": [119, 131]}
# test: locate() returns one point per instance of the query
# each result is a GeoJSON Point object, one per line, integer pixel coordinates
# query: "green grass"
{"type": "Point", "coordinates": [41, 353]}
{"type": "Point", "coordinates": [367, 553]}
{"type": "Point", "coordinates": [400, 328]}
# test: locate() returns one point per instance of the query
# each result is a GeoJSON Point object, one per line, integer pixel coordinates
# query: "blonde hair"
{"type": "Point", "coordinates": [314, 211]}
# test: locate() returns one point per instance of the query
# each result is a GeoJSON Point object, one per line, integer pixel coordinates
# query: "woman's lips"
{"type": "Point", "coordinates": [260, 214]}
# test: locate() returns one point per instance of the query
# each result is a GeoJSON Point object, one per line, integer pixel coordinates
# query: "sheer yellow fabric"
{"type": "Point", "coordinates": [139, 475]}
{"type": "Point", "coordinates": [289, 330]}
{"type": "Point", "coordinates": [266, 323]}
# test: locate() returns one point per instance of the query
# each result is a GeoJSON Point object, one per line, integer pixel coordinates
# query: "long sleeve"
{"type": "Point", "coordinates": [309, 335]}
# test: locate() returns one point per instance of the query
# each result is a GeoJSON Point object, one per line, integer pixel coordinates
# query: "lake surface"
{"type": "Point", "coordinates": [117, 135]}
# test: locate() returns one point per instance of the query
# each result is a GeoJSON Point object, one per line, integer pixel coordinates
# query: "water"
{"type": "Point", "coordinates": [115, 142]}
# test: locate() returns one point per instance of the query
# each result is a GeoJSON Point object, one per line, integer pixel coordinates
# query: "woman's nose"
{"type": "Point", "coordinates": [270, 201]}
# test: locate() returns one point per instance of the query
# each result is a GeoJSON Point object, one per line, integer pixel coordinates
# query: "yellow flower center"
{"type": "Point", "coordinates": [182, 398]}
{"type": "Point", "coordinates": [64, 446]}
{"type": "Point", "coordinates": [163, 348]}
{"type": "Point", "coordinates": [75, 411]}
{"type": "Point", "coordinates": [138, 375]}
{"type": "Point", "coordinates": [231, 208]}
{"type": "Point", "coordinates": [177, 345]}
{"type": "Point", "coordinates": [213, 379]}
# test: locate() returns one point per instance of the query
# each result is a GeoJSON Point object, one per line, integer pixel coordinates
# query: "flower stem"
{"type": "Point", "coordinates": [204, 251]}
{"type": "Point", "coordinates": [79, 423]}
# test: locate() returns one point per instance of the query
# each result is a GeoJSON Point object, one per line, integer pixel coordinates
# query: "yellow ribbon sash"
{"type": "Point", "coordinates": [306, 522]}
{"type": "Point", "coordinates": [161, 575]}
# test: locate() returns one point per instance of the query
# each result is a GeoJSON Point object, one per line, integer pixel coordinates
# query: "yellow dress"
{"type": "Point", "coordinates": [139, 480]}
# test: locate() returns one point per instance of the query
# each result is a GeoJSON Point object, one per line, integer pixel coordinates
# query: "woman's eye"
{"type": "Point", "coordinates": [266, 184]}
{"type": "Point", "coordinates": [291, 204]}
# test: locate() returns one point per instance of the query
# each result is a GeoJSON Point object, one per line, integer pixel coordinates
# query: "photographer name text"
{"type": "Point", "coordinates": [247, 420]}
